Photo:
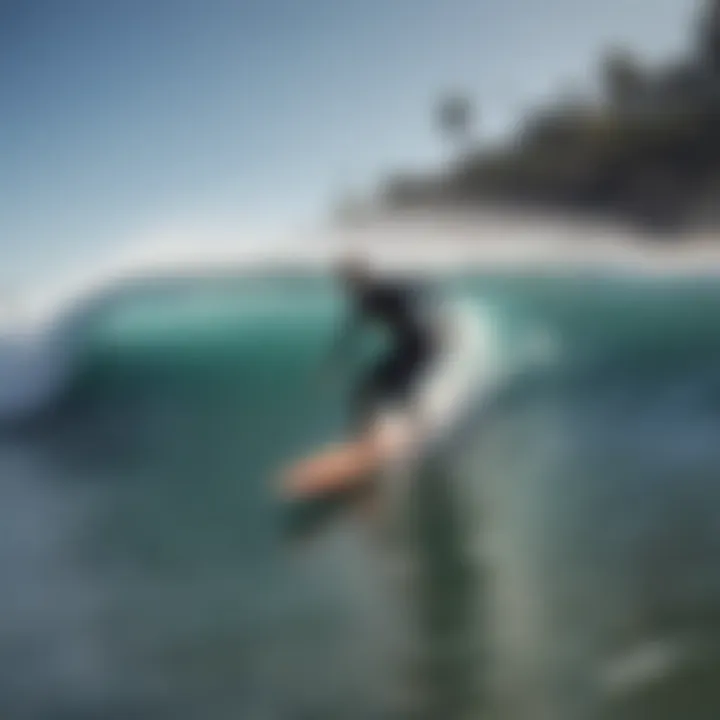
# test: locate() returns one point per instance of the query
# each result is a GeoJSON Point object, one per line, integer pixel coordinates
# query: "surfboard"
{"type": "Point", "coordinates": [441, 400]}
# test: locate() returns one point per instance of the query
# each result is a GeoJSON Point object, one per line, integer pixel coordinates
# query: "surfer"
{"type": "Point", "coordinates": [401, 309]}
{"type": "Point", "coordinates": [383, 409]}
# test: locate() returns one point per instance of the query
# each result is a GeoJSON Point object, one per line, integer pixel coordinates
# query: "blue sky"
{"type": "Point", "coordinates": [121, 115]}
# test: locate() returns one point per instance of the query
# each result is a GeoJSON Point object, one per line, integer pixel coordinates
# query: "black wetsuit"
{"type": "Point", "coordinates": [400, 308]}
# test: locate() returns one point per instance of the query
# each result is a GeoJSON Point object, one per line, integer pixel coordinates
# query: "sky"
{"type": "Point", "coordinates": [125, 121]}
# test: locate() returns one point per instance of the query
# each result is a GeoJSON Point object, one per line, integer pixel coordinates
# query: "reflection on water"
{"type": "Point", "coordinates": [146, 577]}
{"type": "Point", "coordinates": [561, 563]}
{"type": "Point", "coordinates": [604, 544]}
{"type": "Point", "coordinates": [52, 647]}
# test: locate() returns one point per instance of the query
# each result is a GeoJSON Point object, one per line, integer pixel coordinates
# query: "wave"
{"type": "Point", "coordinates": [598, 400]}
{"type": "Point", "coordinates": [42, 353]}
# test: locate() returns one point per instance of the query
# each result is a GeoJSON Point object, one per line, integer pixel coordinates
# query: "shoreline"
{"type": "Point", "coordinates": [422, 243]}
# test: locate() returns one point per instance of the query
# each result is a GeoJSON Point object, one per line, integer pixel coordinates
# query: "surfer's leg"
{"type": "Point", "coordinates": [390, 382]}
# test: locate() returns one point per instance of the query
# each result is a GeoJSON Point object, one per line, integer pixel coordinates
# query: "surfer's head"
{"type": "Point", "coordinates": [353, 270]}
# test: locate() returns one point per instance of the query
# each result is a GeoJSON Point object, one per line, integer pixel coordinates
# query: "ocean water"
{"type": "Point", "coordinates": [559, 559]}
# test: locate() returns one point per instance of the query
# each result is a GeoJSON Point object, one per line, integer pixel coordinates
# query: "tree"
{"type": "Point", "coordinates": [454, 118]}
{"type": "Point", "coordinates": [623, 79]}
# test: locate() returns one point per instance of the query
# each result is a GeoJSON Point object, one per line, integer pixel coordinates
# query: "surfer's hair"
{"type": "Point", "coordinates": [353, 266]}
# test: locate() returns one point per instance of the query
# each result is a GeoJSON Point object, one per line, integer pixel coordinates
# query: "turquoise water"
{"type": "Point", "coordinates": [559, 561]}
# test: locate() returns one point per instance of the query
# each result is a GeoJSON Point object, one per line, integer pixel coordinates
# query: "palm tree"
{"type": "Point", "coordinates": [454, 119]}
{"type": "Point", "coordinates": [623, 79]}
